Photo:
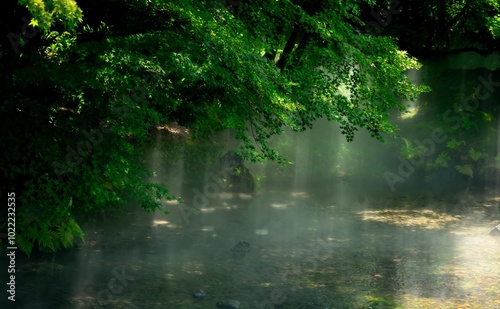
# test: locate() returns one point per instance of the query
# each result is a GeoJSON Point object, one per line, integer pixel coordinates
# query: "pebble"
{"type": "Point", "coordinates": [199, 295]}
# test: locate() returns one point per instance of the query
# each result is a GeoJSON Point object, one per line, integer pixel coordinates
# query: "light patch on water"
{"type": "Point", "coordinates": [422, 218]}
{"type": "Point", "coordinates": [474, 274]}
{"type": "Point", "coordinates": [208, 210]}
{"type": "Point", "coordinates": [279, 205]}
{"type": "Point", "coordinates": [193, 268]}
{"type": "Point", "coordinates": [208, 229]}
{"type": "Point", "coordinates": [159, 222]}
{"type": "Point", "coordinates": [226, 196]}
{"type": "Point", "coordinates": [479, 254]}
{"type": "Point", "coordinates": [171, 202]}
{"type": "Point", "coordinates": [261, 231]}
{"type": "Point", "coordinates": [244, 196]}
{"type": "Point", "coordinates": [299, 194]}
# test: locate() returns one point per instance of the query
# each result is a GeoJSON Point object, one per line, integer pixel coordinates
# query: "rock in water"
{"type": "Point", "coordinates": [199, 295]}
{"type": "Point", "coordinates": [236, 174]}
{"type": "Point", "coordinates": [229, 304]}
{"type": "Point", "coordinates": [495, 231]}
{"type": "Point", "coordinates": [240, 249]}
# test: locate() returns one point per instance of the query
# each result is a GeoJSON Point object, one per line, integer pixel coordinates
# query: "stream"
{"type": "Point", "coordinates": [306, 251]}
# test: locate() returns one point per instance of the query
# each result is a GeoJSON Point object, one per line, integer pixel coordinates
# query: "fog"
{"type": "Point", "coordinates": [346, 225]}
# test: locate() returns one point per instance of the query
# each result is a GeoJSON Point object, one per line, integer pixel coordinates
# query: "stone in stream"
{"type": "Point", "coordinates": [495, 231]}
{"type": "Point", "coordinates": [237, 176]}
{"type": "Point", "coordinates": [240, 249]}
{"type": "Point", "coordinates": [228, 304]}
{"type": "Point", "coordinates": [199, 295]}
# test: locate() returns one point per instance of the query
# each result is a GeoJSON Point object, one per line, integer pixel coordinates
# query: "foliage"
{"type": "Point", "coordinates": [466, 152]}
{"type": "Point", "coordinates": [443, 159]}
{"type": "Point", "coordinates": [46, 13]}
{"type": "Point", "coordinates": [453, 143]}
{"type": "Point", "coordinates": [304, 83]}
{"type": "Point", "coordinates": [465, 169]}
{"type": "Point", "coordinates": [50, 233]}
{"type": "Point", "coordinates": [476, 155]}
{"type": "Point", "coordinates": [80, 101]}
{"type": "Point", "coordinates": [409, 151]}
{"type": "Point", "coordinates": [56, 42]}
{"type": "Point", "coordinates": [464, 158]}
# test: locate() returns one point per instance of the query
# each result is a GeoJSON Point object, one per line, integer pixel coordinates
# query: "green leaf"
{"type": "Point", "coordinates": [476, 155]}
{"type": "Point", "coordinates": [442, 159]}
{"type": "Point", "coordinates": [453, 143]}
{"type": "Point", "coordinates": [465, 169]}
{"type": "Point", "coordinates": [24, 244]}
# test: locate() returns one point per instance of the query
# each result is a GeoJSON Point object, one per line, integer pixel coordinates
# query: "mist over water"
{"type": "Point", "coordinates": [328, 231]}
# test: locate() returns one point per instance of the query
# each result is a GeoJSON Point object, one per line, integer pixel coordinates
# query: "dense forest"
{"type": "Point", "coordinates": [84, 84]}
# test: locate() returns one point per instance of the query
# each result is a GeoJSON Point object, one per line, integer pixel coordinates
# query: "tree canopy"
{"type": "Point", "coordinates": [83, 84]}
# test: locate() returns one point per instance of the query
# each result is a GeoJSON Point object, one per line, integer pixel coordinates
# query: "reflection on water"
{"type": "Point", "coordinates": [301, 252]}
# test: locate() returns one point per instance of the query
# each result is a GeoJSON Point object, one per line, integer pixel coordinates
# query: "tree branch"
{"type": "Point", "coordinates": [296, 37]}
